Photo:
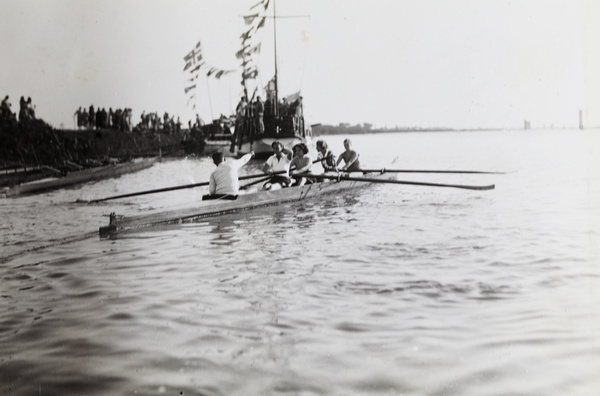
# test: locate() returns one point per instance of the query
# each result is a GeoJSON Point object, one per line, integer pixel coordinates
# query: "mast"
{"type": "Point", "coordinates": [276, 107]}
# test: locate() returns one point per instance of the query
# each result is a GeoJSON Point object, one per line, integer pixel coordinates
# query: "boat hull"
{"type": "Point", "coordinates": [77, 177]}
{"type": "Point", "coordinates": [120, 224]}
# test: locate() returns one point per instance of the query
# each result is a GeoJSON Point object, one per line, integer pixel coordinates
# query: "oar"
{"type": "Point", "coordinates": [264, 179]}
{"type": "Point", "coordinates": [371, 180]}
{"type": "Point", "coordinates": [159, 190]}
{"type": "Point", "coordinates": [267, 178]}
{"type": "Point", "coordinates": [384, 170]}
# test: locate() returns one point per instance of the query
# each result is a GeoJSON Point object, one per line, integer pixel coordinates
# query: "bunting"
{"type": "Point", "coordinates": [255, 21]}
{"type": "Point", "coordinates": [194, 63]}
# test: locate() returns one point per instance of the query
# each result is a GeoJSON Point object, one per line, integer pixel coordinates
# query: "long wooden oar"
{"type": "Point", "coordinates": [371, 180]}
{"type": "Point", "coordinates": [244, 187]}
{"type": "Point", "coordinates": [384, 170]}
{"type": "Point", "coordinates": [159, 190]}
{"type": "Point", "coordinates": [264, 179]}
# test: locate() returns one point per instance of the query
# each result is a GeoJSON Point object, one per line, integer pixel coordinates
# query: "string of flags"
{"type": "Point", "coordinates": [195, 63]}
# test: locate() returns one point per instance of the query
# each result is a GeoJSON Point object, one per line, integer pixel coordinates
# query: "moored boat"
{"type": "Point", "coordinates": [119, 224]}
{"type": "Point", "coordinates": [77, 177]}
{"type": "Point", "coordinates": [262, 115]}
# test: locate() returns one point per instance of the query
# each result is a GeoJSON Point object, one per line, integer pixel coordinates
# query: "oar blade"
{"type": "Point", "coordinates": [405, 182]}
{"type": "Point", "coordinates": [384, 170]}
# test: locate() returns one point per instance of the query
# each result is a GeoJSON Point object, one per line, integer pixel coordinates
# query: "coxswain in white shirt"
{"type": "Point", "coordinates": [224, 182]}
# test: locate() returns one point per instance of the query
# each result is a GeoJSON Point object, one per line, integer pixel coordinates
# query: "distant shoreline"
{"type": "Point", "coordinates": [359, 129]}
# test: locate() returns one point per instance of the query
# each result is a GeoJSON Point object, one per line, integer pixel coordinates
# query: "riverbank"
{"type": "Point", "coordinates": [36, 143]}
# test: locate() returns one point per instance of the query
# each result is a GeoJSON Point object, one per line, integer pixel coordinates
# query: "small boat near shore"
{"type": "Point", "coordinates": [209, 208]}
{"type": "Point", "coordinates": [12, 176]}
{"type": "Point", "coordinates": [77, 177]}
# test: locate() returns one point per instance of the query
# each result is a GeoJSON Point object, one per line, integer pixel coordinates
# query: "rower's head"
{"type": "Point", "coordinates": [277, 146]}
{"type": "Point", "coordinates": [347, 144]}
{"type": "Point", "coordinates": [217, 157]}
{"type": "Point", "coordinates": [322, 146]}
{"type": "Point", "coordinates": [300, 149]}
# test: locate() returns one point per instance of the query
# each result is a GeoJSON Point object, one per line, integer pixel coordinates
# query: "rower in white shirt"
{"type": "Point", "coordinates": [278, 162]}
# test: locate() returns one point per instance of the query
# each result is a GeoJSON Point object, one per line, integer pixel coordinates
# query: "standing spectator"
{"type": "Point", "coordinates": [5, 108]}
{"type": "Point", "coordinates": [91, 117]}
{"type": "Point", "coordinates": [259, 113]}
{"type": "Point", "coordinates": [22, 109]}
{"type": "Point", "coordinates": [84, 118]}
{"type": "Point", "coordinates": [78, 117]}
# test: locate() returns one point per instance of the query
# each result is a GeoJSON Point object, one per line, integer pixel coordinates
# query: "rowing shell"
{"type": "Point", "coordinates": [210, 208]}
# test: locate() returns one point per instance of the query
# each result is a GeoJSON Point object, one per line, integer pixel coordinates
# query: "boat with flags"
{"type": "Point", "coordinates": [263, 115]}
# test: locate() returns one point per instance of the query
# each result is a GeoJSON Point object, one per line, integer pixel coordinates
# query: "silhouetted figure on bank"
{"type": "Point", "coordinates": [79, 117]}
{"type": "Point", "coordinates": [22, 109]}
{"type": "Point", "coordinates": [5, 111]}
{"type": "Point", "coordinates": [30, 109]}
{"type": "Point", "coordinates": [91, 117]}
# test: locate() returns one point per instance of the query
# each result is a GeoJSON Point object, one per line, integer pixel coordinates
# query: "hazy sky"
{"type": "Point", "coordinates": [454, 63]}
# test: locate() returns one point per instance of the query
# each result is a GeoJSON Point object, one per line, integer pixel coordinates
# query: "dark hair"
{"type": "Point", "coordinates": [302, 147]}
{"type": "Point", "coordinates": [217, 156]}
{"type": "Point", "coordinates": [276, 142]}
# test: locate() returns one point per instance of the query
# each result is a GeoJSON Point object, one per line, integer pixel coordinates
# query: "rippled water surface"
{"type": "Point", "coordinates": [392, 290]}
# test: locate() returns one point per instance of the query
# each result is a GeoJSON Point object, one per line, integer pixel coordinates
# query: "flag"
{"type": "Point", "coordinates": [250, 74]}
{"type": "Point", "coordinates": [245, 36]}
{"type": "Point", "coordinates": [187, 89]}
{"type": "Point", "coordinates": [259, 3]}
{"type": "Point", "coordinates": [254, 49]}
{"type": "Point", "coordinates": [242, 53]}
{"type": "Point", "coordinates": [193, 57]}
{"type": "Point", "coordinates": [248, 19]}
{"type": "Point", "coordinates": [195, 69]}
{"type": "Point", "coordinates": [293, 97]}
{"type": "Point", "coordinates": [261, 23]}
{"type": "Point", "coordinates": [270, 85]}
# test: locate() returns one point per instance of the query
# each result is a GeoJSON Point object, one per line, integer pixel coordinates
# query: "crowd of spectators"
{"type": "Point", "coordinates": [154, 122]}
{"type": "Point", "coordinates": [119, 119]}
{"type": "Point", "coordinates": [26, 110]}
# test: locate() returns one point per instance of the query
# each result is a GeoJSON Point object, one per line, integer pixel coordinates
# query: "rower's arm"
{"type": "Point", "coordinates": [287, 152]}
{"type": "Point", "coordinates": [212, 184]}
{"type": "Point", "coordinates": [267, 168]}
{"type": "Point", "coordinates": [353, 158]}
{"type": "Point", "coordinates": [244, 160]}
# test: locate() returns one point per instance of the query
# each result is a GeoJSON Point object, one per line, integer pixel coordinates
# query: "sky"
{"type": "Point", "coordinates": [407, 63]}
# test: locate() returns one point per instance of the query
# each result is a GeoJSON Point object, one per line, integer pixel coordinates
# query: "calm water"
{"type": "Point", "coordinates": [395, 290]}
